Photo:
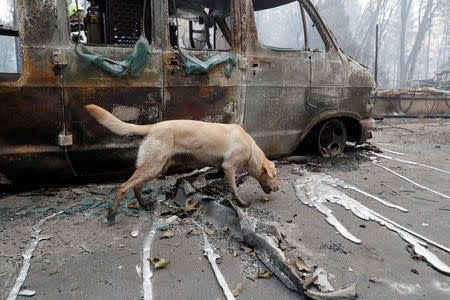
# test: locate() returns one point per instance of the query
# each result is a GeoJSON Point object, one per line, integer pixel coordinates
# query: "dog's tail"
{"type": "Point", "coordinates": [115, 125]}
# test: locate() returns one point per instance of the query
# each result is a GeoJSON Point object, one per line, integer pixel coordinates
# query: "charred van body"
{"type": "Point", "coordinates": [272, 66]}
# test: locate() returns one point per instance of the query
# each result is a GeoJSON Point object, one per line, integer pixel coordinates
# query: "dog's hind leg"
{"type": "Point", "coordinates": [152, 159]}
{"type": "Point", "coordinates": [141, 176]}
{"type": "Point", "coordinates": [142, 201]}
{"type": "Point", "coordinates": [230, 174]}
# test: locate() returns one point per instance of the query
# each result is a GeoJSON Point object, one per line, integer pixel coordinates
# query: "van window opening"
{"type": "Point", "coordinates": [201, 24]}
{"type": "Point", "coordinates": [285, 25]}
{"type": "Point", "coordinates": [109, 22]}
{"type": "Point", "coordinates": [315, 41]}
{"type": "Point", "coordinates": [11, 62]}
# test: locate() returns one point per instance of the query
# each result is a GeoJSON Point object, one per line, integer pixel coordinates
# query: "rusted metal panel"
{"type": "Point", "coordinates": [36, 165]}
{"type": "Point", "coordinates": [138, 105]}
{"type": "Point", "coordinates": [31, 119]}
{"type": "Point", "coordinates": [209, 97]}
{"type": "Point", "coordinates": [33, 116]}
{"type": "Point", "coordinates": [210, 104]}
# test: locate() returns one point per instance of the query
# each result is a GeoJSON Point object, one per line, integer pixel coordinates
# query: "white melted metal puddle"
{"type": "Point", "coordinates": [406, 288]}
{"type": "Point", "coordinates": [316, 190]}
{"type": "Point", "coordinates": [401, 288]}
{"type": "Point", "coordinates": [441, 286]}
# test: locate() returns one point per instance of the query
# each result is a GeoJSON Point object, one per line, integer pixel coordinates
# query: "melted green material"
{"type": "Point", "coordinates": [194, 65]}
{"type": "Point", "coordinates": [94, 208]}
{"type": "Point", "coordinates": [106, 222]}
{"type": "Point", "coordinates": [89, 201]}
{"type": "Point", "coordinates": [132, 65]}
{"type": "Point", "coordinates": [41, 210]}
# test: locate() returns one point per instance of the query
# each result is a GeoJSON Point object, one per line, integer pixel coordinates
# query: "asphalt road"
{"type": "Point", "coordinates": [81, 258]}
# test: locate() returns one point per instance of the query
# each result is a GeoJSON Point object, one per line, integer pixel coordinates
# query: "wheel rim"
{"type": "Point", "coordinates": [332, 138]}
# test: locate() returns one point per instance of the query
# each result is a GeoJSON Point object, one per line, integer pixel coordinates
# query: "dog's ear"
{"type": "Point", "coordinates": [269, 168]}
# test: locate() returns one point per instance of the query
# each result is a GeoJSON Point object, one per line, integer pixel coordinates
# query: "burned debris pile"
{"type": "Point", "coordinates": [270, 245]}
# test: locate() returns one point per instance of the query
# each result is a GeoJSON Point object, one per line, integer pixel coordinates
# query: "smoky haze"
{"type": "Point", "coordinates": [414, 36]}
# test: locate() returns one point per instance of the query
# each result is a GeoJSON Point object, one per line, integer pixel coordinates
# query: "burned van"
{"type": "Point", "coordinates": [272, 66]}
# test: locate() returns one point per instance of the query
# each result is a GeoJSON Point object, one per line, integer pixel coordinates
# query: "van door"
{"type": "Point", "coordinates": [31, 106]}
{"type": "Point", "coordinates": [202, 80]}
{"type": "Point", "coordinates": [114, 36]}
{"type": "Point", "coordinates": [288, 65]}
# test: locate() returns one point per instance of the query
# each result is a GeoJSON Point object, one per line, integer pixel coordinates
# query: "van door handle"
{"type": "Point", "coordinates": [261, 65]}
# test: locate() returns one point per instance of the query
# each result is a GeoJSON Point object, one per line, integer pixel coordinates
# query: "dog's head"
{"type": "Point", "coordinates": [267, 177]}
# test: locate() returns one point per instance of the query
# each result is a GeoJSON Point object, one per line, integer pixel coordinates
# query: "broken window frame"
{"type": "Point", "coordinates": [219, 26]}
{"type": "Point", "coordinates": [104, 16]}
{"type": "Point", "coordinates": [304, 22]}
{"type": "Point", "coordinates": [314, 23]}
{"type": "Point", "coordinates": [12, 30]}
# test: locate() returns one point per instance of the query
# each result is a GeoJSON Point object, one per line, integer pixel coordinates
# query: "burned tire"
{"type": "Point", "coordinates": [331, 138]}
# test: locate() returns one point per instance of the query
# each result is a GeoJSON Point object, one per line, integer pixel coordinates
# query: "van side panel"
{"type": "Point", "coordinates": [31, 108]}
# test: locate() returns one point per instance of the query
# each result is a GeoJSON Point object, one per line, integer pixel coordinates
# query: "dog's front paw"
{"type": "Point", "coordinates": [241, 202]}
{"type": "Point", "coordinates": [111, 215]}
{"type": "Point", "coordinates": [244, 204]}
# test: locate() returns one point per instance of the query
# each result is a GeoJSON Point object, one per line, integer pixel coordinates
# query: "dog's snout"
{"type": "Point", "coordinates": [270, 186]}
{"type": "Point", "coordinates": [275, 186]}
{"type": "Point", "coordinates": [275, 189]}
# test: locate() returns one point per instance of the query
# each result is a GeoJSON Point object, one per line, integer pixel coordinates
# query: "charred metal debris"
{"type": "Point", "coordinates": [263, 238]}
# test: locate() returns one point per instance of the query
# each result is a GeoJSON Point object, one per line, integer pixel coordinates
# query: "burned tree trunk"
{"type": "Point", "coordinates": [405, 8]}
{"type": "Point", "coordinates": [424, 26]}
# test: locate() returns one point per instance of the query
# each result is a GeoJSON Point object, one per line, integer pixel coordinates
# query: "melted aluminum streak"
{"type": "Point", "coordinates": [393, 152]}
{"type": "Point", "coordinates": [316, 190]}
{"type": "Point", "coordinates": [375, 162]}
{"type": "Point", "coordinates": [27, 256]}
{"type": "Point", "coordinates": [408, 161]}
{"type": "Point", "coordinates": [147, 273]}
{"type": "Point", "coordinates": [340, 183]}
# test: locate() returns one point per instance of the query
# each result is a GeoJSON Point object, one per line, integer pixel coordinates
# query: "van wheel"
{"type": "Point", "coordinates": [331, 138]}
